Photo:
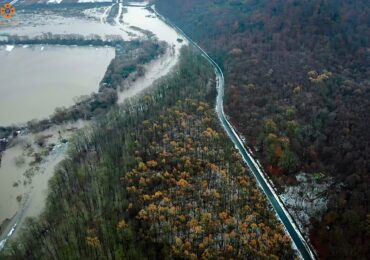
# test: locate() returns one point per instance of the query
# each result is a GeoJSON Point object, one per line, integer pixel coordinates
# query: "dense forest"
{"type": "Point", "coordinates": [297, 76]}
{"type": "Point", "coordinates": [156, 179]}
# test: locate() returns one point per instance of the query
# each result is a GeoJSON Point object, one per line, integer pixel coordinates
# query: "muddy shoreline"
{"type": "Point", "coordinates": [32, 150]}
{"type": "Point", "coordinates": [27, 165]}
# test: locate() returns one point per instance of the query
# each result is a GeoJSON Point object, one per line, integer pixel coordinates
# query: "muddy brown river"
{"type": "Point", "coordinates": [42, 78]}
{"type": "Point", "coordinates": [36, 80]}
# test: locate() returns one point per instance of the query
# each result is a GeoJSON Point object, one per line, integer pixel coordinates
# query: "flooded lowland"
{"type": "Point", "coordinates": [36, 79]}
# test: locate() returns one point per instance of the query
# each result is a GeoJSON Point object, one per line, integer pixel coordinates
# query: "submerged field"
{"type": "Point", "coordinates": [42, 78]}
{"type": "Point", "coordinates": [63, 55]}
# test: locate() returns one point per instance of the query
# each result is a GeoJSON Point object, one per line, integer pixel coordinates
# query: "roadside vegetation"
{"type": "Point", "coordinates": [297, 75]}
{"type": "Point", "coordinates": [156, 179]}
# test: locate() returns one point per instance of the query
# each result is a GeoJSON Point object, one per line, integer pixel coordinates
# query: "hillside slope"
{"type": "Point", "coordinates": [297, 75]}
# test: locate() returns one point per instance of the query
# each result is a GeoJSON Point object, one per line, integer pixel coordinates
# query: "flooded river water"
{"type": "Point", "coordinates": [40, 78]}
{"type": "Point", "coordinates": [144, 19]}
{"type": "Point", "coordinates": [36, 80]}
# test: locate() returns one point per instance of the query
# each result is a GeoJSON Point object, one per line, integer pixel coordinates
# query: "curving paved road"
{"type": "Point", "coordinates": [298, 240]}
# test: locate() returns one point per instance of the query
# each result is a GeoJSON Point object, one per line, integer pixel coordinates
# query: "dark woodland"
{"type": "Point", "coordinates": [297, 87]}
